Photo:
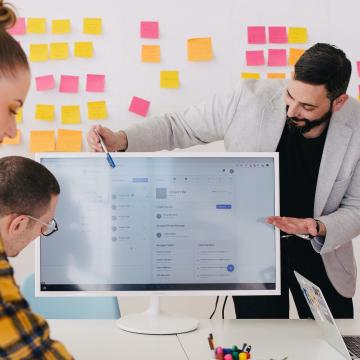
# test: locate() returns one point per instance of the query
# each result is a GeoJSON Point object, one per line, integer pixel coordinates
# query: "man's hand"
{"type": "Point", "coordinates": [291, 225]}
{"type": "Point", "coordinates": [114, 141]}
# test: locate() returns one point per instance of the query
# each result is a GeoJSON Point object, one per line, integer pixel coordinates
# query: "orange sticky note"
{"type": "Point", "coordinates": [42, 141]}
{"type": "Point", "coordinates": [200, 49]}
{"type": "Point", "coordinates": [36, 25]}
{"type": "Point", "coordinates": [276, 75]}
{"type": "Point", "coordinates": [169, 79]}
{"type": "Point", "coordinates": [69, 140]}
{"type": "Point", "coordinates": [150, 53]}
{"type": "Point", "coordinates": [297, 35]}
{"type": "Point", "coordinates": [84, 49]}
{"type": "Point", "coordinates": [62, 26]}
{"type": "Point", "coordinates": [70, 114]}
{"type": "Point", "coordinates": [19, 116]}
{"type": "Point", "coordinates": [294, 55]}
{"type": "Point", "coordinates": [59, 51]}
{"type": "Point", "coordinates": [92, 26]}
{"type": "Point", "coordinates": [39, 52]}
{"type": "Point", "coordinates": [246, 75]}
{"type": "Point", "coordinates": [45, 112]}
{"type": "Point", "coordinates": [14, 141]}
{"type": "Point", "coordinates": [97, 110]}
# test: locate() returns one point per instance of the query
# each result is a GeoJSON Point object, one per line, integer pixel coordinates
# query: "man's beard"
{"type": "Point", "coordinates": [291, 122]}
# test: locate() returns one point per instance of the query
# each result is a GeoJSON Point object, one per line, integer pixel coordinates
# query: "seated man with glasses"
{"type": "Point", "coordinates": [28, 198]}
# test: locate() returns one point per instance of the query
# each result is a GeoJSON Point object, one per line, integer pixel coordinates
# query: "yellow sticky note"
{"type": "Point", "coordinates": [169, 79]}
{"type": "Point", "coordinates": [92, 26]}
{"type": "Point", "coordinates": [14, 141]}
{"type": "Point", "coordinates": [42, 141]}
{"type": "Point", "coordinates": [150, 53]}
{"type": "Point", "coordinates": [59, 51]}
{"type": "Point", "coordinates": [200, 49]}
{"type": "Point", "coordinates": [69, 140]}
{"type": "Point", "coordinates": [39, 52]}
{"type": "Point", "coordinates": [297, 35]}
{"type": "Point", "coordinates": [84, 49]}
{"type": "Point", "coordinates": [276, 75]}
{"type": "Point", "coordinates": [19, 116]}
{"type": "Point", "coordinates": [246, 75]}
{"type": "Point", "coordinates": [70, 114]}
{"type": "Point", "coordinates": [61, 26]}
{"type": "Point", "coordinates": [97, 110]}
{"type": "Point", "coordinates": [36, 25]}
{"type": "Point", "coordinates": [294, 55]}
{"type": "Point", "coordinates": [45, 112]}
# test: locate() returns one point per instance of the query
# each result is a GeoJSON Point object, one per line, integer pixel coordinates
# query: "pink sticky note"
{"type": "Point", "coordinates": [69, 84]}
{"type": "Point", "coordinates": [277, 57]}
{"type": "Point", "coordinates": [255, 58]}
{"type": "Point", "coordinates": [256, 35]}
{"type": "Point", "coordinates": [46, 82]}
{"type": "Point", "coordinates": [139, 106]}
{"type": "Point", "coordinates": [278, 35]}
{"type": "Point", "coordinates": [358, 67]}
{"type": "Point", "coordinates": [19, 28]}
{"type": "Point", "coordinates": [149, 29]}
{"type": "Point", "coordinates": [95, 83]}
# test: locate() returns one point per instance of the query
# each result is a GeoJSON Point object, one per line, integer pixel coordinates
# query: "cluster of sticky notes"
{"type": "Point", "coordinates": [276, 57]}
{"type": "Point", "coordinates": [277, 35]}
{"type": "Point", "coordinates": [44, 141]}
{"type": "Point", "coordinates": [139, 106]}
{"type": "Point", "coordinates": [199, 49]}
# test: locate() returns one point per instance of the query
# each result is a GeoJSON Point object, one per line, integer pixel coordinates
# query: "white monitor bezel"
{"type": "Point", "coordinates": [276, 291]}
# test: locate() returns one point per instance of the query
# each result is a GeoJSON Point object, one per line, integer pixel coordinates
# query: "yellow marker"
{"type": "Point", "coordinates": [45, 112]}
{"type": "Point", "coordinates": [70, 114]}
{"type": "Point", "coordinates": [169, 79]}
{"type": "Point", "coordinates": [294, 55]}
{"type": "Point", "coordinates": [42, 141]}
{"type": "Point", "coordinates": [276, 76]}
{"type": "Point", "coordinates": [246, 75]}
{"type": "Point", "coordinates": [92, 26]}
{"type": "Point", "coordinates": [150, 53]}
{"type": "Point", "coordinates": [59, 27]}
{"type": "Point", "coordinates": [200, 49]}
{"type": "Point", "coordinates": [14, 141]}
{"type": "Point", "coordinates": [39, 52]}
{"type": "Point", "coordinates": [69, 140]}
{"type": "Point", "coordinates": [19, 116]}
{"type": "Point", "coordinates": [297, 35]}
{"type": "Point", "coordinates": [84, 49]}
{"type": "Point", "coordinates": [36, 25]}
{"type": "Point", "coordinates": [97, 110]}
{"type": "Point", "coordinates": [59, 51]}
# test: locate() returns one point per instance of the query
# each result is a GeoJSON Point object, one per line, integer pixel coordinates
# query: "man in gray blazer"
{"type": "Point", "coordinates": [315, 127]}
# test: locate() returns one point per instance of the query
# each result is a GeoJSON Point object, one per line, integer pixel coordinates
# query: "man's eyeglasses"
{"type": "Point", "coordinates": [46, 229]}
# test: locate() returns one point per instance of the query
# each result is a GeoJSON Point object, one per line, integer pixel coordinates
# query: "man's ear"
{"type": "Point", "coordinates": [339, 102]}
{"type": "Point", "coordinates": [17, 225]}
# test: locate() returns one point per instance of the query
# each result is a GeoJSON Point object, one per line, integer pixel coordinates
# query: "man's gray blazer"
{"type": "Point", "coordinates": [251, 117]}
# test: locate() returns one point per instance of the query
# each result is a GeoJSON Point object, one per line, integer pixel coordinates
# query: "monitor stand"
{"type": "Point", "coordinates": [155, 322]}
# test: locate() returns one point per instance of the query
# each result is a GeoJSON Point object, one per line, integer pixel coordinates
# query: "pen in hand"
{"type": "Point", "coordinates": [108, 156]}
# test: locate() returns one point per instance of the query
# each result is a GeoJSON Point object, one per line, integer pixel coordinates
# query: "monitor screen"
{"type": "Point", "coordinates": [164, 222]}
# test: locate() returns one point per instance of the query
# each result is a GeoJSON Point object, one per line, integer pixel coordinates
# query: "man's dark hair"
{"type": "Point", "coordinates": [324, 64]}
{"type": "Point", "coordinates": [26, 186]}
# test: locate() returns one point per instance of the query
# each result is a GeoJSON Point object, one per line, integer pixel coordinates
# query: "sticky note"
{"type": "Point", "coordinates": [139, 106]}
{"type": "Point", "coordinates": [45, 112]}
{"type": "Point", "coordinates": [70, 114]}
{"type": "Point", "coordinates": [19, 28]}
{"type": "Point", "coordinates": [255, 58]}
{"type": "Point", "coordinates": [256, 35]}
{"type": "Point", "coordinates": [200, 49]}
{"type": "Point", "coordinates": [169, 79]}
{"type": "Point", "coordinates": [278, 35]}
{"type": "Point", "coordinates": [46, 82]}
{"type": "Point", "coordinates": [92, 26]}
{"type": "Point", "coordinates": [97, 110]}
{"type": "Point", "coordinates": [277, 57]}
{"type": "Point", "coordinates": [297, 35]}
{"type": "Point", "coordinates": [149, 29]}
{"type": "Point", "coordinates": [62, 26]}
{"type": "Point", "coordinates": [42, 141]}
{"type": "Point", "coordinates": [95, 83]}
{"type": "Point", "coordinates": [359, 89]}
{"type": "Point", "coordinates": [19, 116]}
{"type": "Point", "coordinates": [294, 55]}
{"type": "Point", "coordinates": [276, 75]}
{"type": "Point", "coordinates": [14, 141]}
{"type": "Point", "coordinates": [69, 140]}
{"type": "Point", "coordinates": [69, 84]}
{"type": "Point", "coordinates": [84, 49]}
{"type": "Point", "coordinates": [358, 67]}
{"type": "Point", "coordinates": [59, 51]}
{"type": "Point", "coordinates": [150, 53]}
{"type": "Point", "coordinates": [39, 52]}
{"type": "Point", "coordinates": [246, 75]}
{"type": "Point", "coordinates": [36, 25]}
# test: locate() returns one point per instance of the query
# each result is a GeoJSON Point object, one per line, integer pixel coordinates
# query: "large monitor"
{"type": "Point", "coordinates": [162, 223]}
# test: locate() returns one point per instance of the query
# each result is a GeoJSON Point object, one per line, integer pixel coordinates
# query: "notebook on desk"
{"type": "Point", "coordinates": [348, 346]}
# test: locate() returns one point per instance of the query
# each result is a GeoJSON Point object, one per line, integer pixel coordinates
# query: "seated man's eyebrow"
{"type": "Point", "coordinates": [302, 103]}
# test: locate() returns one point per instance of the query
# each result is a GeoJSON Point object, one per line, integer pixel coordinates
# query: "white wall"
{"type": "Point", "coordinates": [118, 56]}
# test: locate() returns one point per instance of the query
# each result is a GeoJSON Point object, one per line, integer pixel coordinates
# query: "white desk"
{"type": "Point", "coordinates": [101, 339]}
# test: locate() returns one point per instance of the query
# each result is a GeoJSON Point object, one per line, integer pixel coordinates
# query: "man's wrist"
{"type": "Point", "coordinates": [320, 228]}
{"type": "Point", "coordinates": [123, 141]}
